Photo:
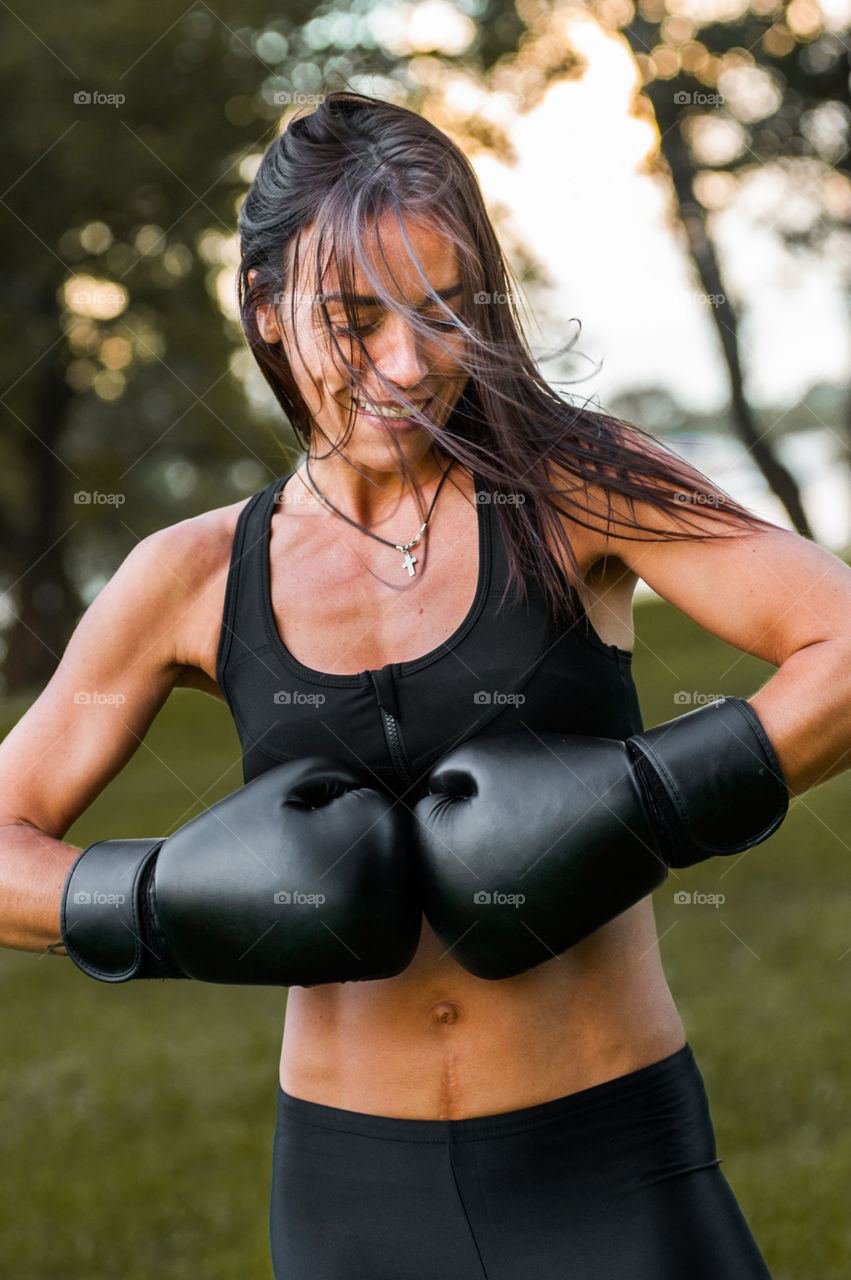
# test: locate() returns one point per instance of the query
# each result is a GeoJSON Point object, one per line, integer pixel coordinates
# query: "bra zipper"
{"type": "Point", "coordinates": [394, 743]}
{"type": "Point", "coordinates": [385, 696]}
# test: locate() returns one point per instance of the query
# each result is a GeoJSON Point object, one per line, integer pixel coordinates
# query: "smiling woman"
{"type": "Point", "coordinates": [526, 1080]}
{"type": "Point", "coordinates": [453, 818]}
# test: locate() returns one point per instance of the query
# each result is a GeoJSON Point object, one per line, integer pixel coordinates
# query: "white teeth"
{"type": "Point", "coordinates": [390, 413]}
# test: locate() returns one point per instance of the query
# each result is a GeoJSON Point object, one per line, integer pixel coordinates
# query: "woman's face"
{"type": "Point", "coordinates": [422, 367]}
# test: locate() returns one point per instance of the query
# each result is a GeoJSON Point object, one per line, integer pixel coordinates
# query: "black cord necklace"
{"type": "Point", "coordinates": [408, 561]}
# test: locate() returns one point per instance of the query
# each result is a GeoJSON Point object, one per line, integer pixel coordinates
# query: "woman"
{"type": "Point", "coordinates": [434, 1124]}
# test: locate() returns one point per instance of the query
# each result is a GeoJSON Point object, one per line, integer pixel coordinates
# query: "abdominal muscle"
{"type": "Point", "coordinates": [437, 1043]}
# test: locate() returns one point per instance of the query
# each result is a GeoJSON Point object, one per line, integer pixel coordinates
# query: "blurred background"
{"type": "Point", "coordinates": [671, 182]}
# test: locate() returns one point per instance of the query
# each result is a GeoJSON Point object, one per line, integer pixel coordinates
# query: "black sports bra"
{"type": "Point", "coordinates": [500, 671]}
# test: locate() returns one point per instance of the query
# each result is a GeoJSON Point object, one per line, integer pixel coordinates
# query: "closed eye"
{"type": "Point", "coordinates": [441, 324]}
{"type": "Point", "coordinates": [362, 331]}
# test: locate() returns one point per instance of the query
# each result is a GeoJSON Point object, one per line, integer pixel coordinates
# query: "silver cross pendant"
{"type": "Point", "coordinates": [408, 562]}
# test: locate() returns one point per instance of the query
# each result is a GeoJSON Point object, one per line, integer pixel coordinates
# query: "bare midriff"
{"type": "Point", "coordinates": [437, 1043]}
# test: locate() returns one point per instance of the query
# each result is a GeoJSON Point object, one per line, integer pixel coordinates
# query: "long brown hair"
{"type": "Point", "coordinates": [340, 168]}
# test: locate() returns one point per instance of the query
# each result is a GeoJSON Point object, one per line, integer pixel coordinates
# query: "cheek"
{"type": "Point", "coordinates": [448, 355]}
{"type": "Point", "coordinates": [311, 362]}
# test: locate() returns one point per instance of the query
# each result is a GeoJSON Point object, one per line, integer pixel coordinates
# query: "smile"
{"type": "Point", "coordinates": [376, 411]}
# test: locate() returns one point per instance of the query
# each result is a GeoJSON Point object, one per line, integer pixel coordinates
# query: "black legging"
{"type": "Point", "coordinates": [616, 1182]}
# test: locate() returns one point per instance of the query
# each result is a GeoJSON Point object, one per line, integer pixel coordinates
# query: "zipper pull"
{"type": "Point", "coordinates": [385, 691]}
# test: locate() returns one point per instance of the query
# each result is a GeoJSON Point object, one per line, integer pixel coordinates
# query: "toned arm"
{"type": "Point", "coordinates": [786, 600]}
{"type": "Point", "coordinates": [123, 659]}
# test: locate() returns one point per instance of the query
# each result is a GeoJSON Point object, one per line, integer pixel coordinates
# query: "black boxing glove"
{"type": "Point", "coordinates": [529, 844]}
{"type": "Point", "coordinates": [303, 876]}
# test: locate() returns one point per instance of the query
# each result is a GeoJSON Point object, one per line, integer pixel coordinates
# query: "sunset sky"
{"type": "Point", "coordinates": [601, 231]}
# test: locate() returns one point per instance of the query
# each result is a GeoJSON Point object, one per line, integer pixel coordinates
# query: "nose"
{"type": "Point", "coordinates": [398, 353]}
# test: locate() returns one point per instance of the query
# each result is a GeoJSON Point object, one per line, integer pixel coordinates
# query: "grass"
{"type": "Point", "coordinates": [137, 1119]}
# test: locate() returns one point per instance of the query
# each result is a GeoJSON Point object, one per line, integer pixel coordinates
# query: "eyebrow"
{"type": "Point", "coordinates": [363, 300]}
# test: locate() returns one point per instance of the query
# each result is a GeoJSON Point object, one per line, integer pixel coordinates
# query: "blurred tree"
{"type": "Point", "coordinates": [736, 87]}
{"type": "Point", "coordinates": [787, 81]}
{"type": "Point", "coordinates": [124, 141]}
{"type": "Point", "coordinates": [461, 100]}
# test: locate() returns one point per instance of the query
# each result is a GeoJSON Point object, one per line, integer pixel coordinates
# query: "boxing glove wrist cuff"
{"type": "Point", "coordinates": [712, 781]}
{"type": "Point", "coordinates": [108, 913]}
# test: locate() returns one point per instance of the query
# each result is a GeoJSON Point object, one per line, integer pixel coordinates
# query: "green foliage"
{"type": "Point", "coordinates": [126, 193]}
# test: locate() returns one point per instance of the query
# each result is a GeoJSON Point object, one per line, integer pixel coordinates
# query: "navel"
{"type": "Point", "coordinates": [446, 1012]}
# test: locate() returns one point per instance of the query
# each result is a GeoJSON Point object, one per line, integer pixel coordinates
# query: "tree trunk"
{"type": "Point", "coordinates": [702, 250]}
{"type": "Point", "coordinates": [43, 597]}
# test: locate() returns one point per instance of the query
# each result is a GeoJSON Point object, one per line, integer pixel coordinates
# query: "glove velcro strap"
{"type": "Point", "coordinates": [105, 916]}
{"type": "Point", "coordinates": [712, 781]}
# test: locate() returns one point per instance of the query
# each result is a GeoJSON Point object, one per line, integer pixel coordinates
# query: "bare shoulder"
{"type": "Point", "coordinates": [618, 539]}
{"type": "Point", "coordinates": [194, 555]}
{"type": "Point", "coordinates": [760, 587]}
{"type": "Point", "coordinates": [606, 582]}
{"type": "Point", "coordinates": [585, 520]}
{"type": "Point", "coordinates": [621, 521]}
